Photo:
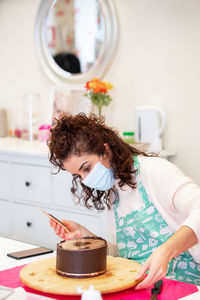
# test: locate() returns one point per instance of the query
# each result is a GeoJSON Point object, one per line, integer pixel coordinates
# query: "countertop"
{"type": "Point", "coordinates": [18, 145]}
{"type": "Point", "coordinates": [9, 245]}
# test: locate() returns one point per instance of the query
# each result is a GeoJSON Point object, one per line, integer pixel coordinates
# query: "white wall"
{"type": "Point", "coordinates": [157, 63]}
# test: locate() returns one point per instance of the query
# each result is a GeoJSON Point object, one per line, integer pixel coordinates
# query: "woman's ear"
{"type": "Point", "coordinates": [107, 151]}
{"type": "Point", "coordinates": [107, 156]}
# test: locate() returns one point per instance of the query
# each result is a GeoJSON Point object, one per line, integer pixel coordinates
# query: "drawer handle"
{"type": "Point", "coordinates": [28, 224]}
{"type": "Point", "coordinates": [27, 183]}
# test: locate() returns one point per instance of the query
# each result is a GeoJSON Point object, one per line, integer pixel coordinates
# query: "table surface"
{"type": "Point", "coordinates": [9, 245]}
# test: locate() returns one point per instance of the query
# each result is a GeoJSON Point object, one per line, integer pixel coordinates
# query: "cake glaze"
{"type": "Point", "coordinates": [81, 258]}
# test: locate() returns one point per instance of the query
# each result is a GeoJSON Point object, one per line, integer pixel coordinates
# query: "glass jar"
{"type": "Point", "coordinates": [30, 116]}
{"type": "Point", "coordinates": [128, 137]}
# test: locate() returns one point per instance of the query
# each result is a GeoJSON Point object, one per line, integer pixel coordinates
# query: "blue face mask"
{"type": "Point", "coordinates": [100, 178]}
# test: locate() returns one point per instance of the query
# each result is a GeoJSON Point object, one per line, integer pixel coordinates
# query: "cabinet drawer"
{"type": "Point", "coordinates": [30, 225]}
{"type": "Point", "coordinates": [32, 183]}
{"type": "Point", "coordinates": [62, 193]}
{"type": "Point", "coordinates": [5, 217]}
{"type": "Point", "coordinates": [4, 179]}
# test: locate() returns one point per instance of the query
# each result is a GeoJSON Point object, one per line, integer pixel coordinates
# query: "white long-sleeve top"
{"type": "Point", "coordinates": [176, 197]}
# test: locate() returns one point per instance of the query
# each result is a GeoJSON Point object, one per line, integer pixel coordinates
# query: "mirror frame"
{"type": "Point", "coordinates": [102, 64]}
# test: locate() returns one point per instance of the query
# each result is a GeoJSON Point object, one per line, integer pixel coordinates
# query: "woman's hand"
{"type": "Point", "coordinates": [75, 230]}
{"type": "Point", "coordinates": [156, 264]}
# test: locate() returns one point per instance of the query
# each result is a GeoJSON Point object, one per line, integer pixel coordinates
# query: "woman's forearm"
{"type": "Point", "coordinates": [180, 241]}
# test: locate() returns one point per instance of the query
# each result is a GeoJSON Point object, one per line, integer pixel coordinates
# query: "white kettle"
{"type": "Point", "coordinates": [150, 125]}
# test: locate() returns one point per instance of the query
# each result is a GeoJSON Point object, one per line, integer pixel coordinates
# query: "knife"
{"type": "Point", "coordinates": [156, 290]}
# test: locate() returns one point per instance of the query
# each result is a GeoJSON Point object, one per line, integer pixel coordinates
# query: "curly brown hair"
{"type": "Point", "coordinates": [81, 134]}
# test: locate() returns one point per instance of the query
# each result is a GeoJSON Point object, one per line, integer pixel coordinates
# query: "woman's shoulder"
{"type": "Point", "coordinates": [157, 165]}
{"type": "Point", "coordinates": [151, 160]}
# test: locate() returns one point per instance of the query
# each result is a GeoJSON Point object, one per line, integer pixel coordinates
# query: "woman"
{"type": "Point", "coordinates": [153, 207]}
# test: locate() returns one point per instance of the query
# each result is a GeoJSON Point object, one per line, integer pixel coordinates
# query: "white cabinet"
{"type": "Point", "coordinates": [5, 217]}
{"type": "Point", "coordinates": [30, 183]}
{"type": "Point", "coordinates": [4, 179]}
{"type": "Point", "coordinates": [62, 191]}
{"type": "Point", "coordinates": [26, 181]}
{"type": "Point", "coordinates": [5, 205]}
{"type": "Point", "coordinates": [30, 226]}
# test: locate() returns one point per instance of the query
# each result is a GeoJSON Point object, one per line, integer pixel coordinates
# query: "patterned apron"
{"type": "Point", "coordinates": [140, 232]}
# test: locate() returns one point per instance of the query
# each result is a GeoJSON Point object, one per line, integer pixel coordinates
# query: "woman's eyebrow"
{"type": "Point", "coordinates": [83, 165]}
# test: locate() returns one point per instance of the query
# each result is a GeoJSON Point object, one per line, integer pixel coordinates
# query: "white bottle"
{"type": "Point", "coordinates": [91, 294]}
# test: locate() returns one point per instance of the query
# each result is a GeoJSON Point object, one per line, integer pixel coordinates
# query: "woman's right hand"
{"type": "Point", "coordinates": [75, 230]}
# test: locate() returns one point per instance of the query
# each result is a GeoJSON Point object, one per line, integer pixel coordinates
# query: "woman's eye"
{"type": "Point", "coordinates": [87, 169]}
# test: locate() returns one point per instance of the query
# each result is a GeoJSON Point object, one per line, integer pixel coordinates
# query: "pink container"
{"type": "Point", "coordinates": [43, 132]}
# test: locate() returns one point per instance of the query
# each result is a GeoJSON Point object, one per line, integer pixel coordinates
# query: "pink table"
{"type": "Point", "coordinates": [171, 289]}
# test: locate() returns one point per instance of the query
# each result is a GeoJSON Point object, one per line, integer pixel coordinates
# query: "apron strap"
{"type": "Point", "coordinates": [115, 204]}
{"type": "Point", "coordinates": [137, 167]}
{"type": "Point", "coordinates": [141, 188]}
{"type": "Point", "coordinates": [136, 164]}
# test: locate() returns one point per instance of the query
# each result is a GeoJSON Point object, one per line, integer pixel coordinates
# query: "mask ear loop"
{"type": "Point", "coordinates": [100, 158]}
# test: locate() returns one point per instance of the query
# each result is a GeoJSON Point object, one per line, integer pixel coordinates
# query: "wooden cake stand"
{"type": "Point", "coordinates": [41, 275]}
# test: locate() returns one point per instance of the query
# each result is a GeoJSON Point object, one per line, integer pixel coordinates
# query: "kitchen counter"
{"type": "Point", "coordinates": [18, 145]}
{"type": "Point", "coordinates": [9, 245]}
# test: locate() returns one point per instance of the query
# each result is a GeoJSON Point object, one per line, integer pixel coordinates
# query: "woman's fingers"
{"type": "Point", "coordinates": [52, 223]}
{"type": "Point", "coordinates": [73, 235]}
{"type": "Point", "coordinates": [150, 279]}
{"type": "Point", "coordinates": [157, 270]}
{"type": "Point", "coordinates": [64, 234]}
{"type": "Point", "coordinates": [142, 271]}
{"type": "Point", "coordinates": [155, 273]}
{"type": "Point", "coordinates": [73, 230]}
{"type": "Point", "coordinates": [58, 229]}
{"type": "Point", "coordinates": [70, 235]}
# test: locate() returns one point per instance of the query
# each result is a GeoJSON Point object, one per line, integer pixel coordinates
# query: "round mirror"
{"type": "Point", "coordinates": [75, 39]}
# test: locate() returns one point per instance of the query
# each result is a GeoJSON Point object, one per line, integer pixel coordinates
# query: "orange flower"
{"type": "Point", "coordinates": [97, 91]}
{"type": "Point", "coordinates": [98, 86]}
{"type": "Point", "coordinates": [109, 86]}
{"type": "Point", "coordinates": [87, 85]}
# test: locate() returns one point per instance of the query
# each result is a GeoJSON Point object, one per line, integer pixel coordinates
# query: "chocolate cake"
{"type": "Point", "coordinates": [81, 258]}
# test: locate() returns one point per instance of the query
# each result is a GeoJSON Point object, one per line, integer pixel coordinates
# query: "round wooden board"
{"type": "Point", "coordinates": [41, 276]}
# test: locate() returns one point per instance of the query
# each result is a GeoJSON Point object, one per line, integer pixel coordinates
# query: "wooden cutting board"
{"type": "Point", "coordinates": [41, 275]}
